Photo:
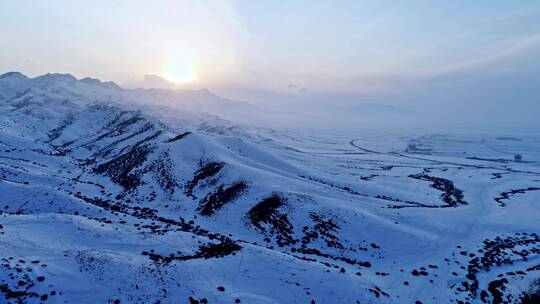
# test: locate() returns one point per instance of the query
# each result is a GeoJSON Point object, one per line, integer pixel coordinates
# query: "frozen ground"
{"type": "Point", "coordinates": [101, 203]}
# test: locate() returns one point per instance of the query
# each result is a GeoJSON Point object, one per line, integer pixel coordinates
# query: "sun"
{"type": "Point", "coordinates": [180, 70]}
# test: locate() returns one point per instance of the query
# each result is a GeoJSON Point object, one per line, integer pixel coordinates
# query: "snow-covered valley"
{"type": "Point", "coordinates": [104, 200]}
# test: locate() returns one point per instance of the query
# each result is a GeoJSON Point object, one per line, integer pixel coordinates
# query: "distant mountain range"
{"type": "Point", "coordinates": [93, 90]}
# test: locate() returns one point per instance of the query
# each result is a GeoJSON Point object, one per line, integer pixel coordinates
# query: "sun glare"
{"type": "Point", "coordinates": [181, 70]}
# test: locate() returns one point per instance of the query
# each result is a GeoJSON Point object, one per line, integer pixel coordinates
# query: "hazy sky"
{"type": "Point", "coordinates": [298, 47]}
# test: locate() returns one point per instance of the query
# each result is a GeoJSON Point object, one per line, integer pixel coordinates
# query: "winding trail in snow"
{"type": "Point", "coordinates": [397, 154]}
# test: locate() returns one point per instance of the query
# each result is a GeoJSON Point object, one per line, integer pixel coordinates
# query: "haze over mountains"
{"type": "Point", "coordinates": [391, 111]}
{"type": "Point", "coordinates": [456, 100]}
{"type": "Point", "coordinates": [157, 100]}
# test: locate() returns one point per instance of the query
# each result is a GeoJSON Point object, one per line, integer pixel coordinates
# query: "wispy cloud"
{"type": "Point", "coordinates": [516, 48]}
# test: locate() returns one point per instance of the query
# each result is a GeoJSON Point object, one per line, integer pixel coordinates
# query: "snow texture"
{"type": "Point", "coordinates": [105, 201]}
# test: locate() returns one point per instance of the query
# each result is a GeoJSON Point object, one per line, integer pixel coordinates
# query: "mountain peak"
{"type": "Point", "coordinates": [13, 74]}
{"type": "Point", "coordinates": [97, 82]}
{"type": "Point", "coordinates": [57, 77]}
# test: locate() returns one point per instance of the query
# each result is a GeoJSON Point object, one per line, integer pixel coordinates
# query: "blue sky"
{"type": "Point", "coordinates": [320, 47]}
{"type": "Point", "coordinates": [334, 40]}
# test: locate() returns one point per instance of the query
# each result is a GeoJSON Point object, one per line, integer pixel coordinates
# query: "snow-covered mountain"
{"type": "Point", "coordinates": [88, 90]}
{"type": "Point", "coordinates": [106, 198]}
